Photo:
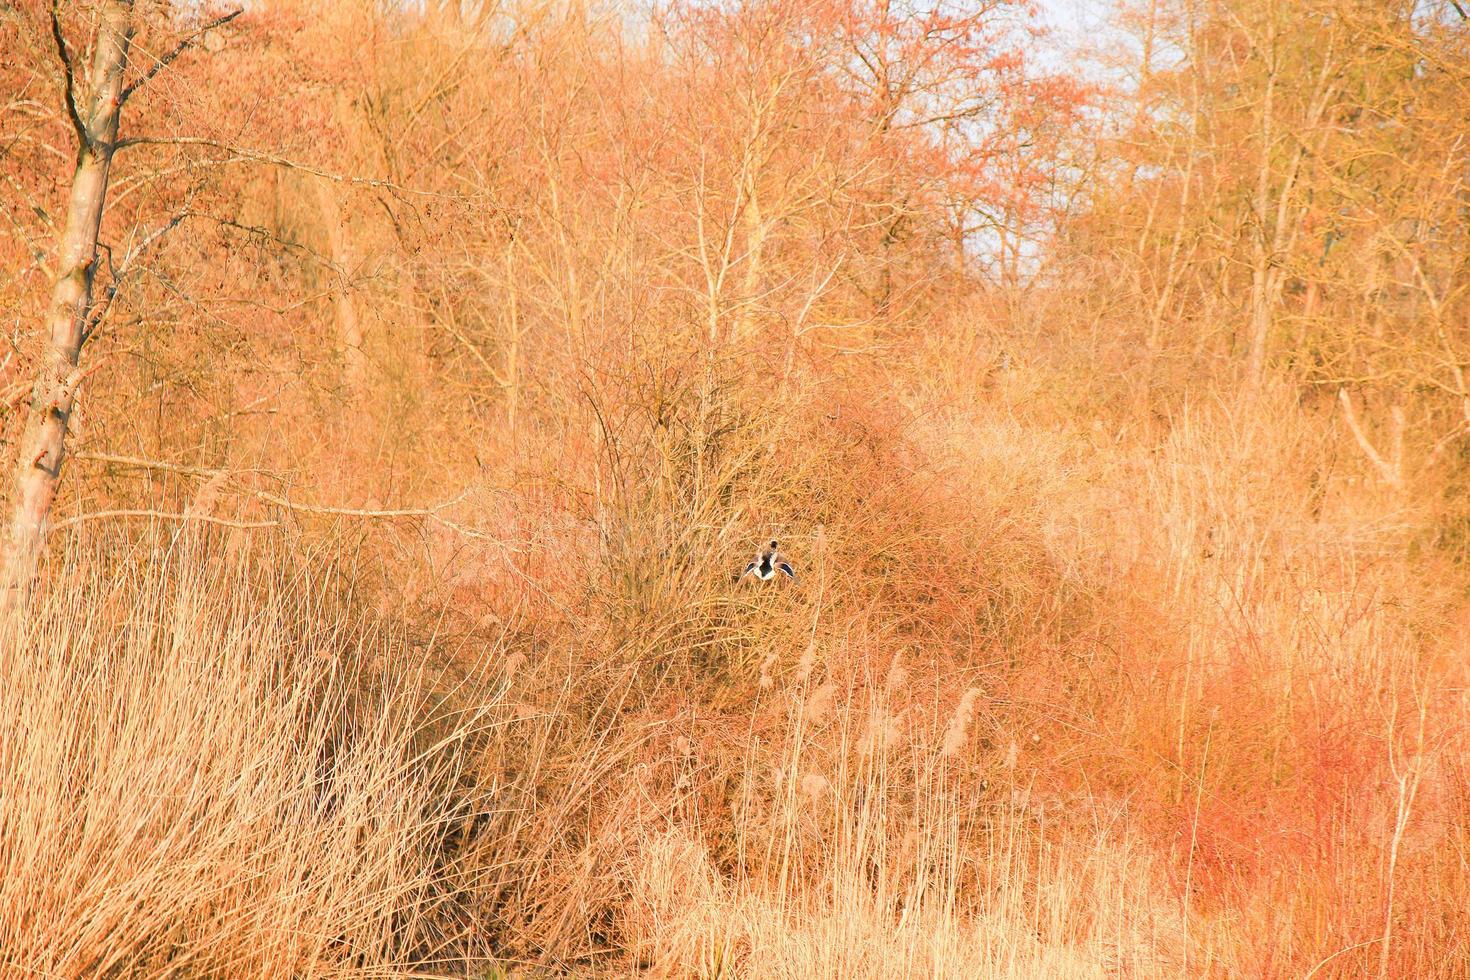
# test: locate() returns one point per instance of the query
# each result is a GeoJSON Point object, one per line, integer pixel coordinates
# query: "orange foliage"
{"type": "Point", "coordinates": [1091, 667]}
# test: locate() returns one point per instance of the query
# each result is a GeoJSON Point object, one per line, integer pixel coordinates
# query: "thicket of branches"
{"type": "Point", "coordinates": [442, 361]}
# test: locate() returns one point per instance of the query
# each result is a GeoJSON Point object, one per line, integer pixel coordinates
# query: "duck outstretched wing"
{"type": "Point", "coordinates": [785, 568]}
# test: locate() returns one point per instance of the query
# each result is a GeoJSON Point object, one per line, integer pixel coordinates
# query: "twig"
{"type": "Point", "coordinates": [164, 62]}
{"type": "Point", "coordinates": [14, 349]}
{"type": "Point", "coordinates": [11, 396]}
{"type": "Point", "coordinates": [161, 515]}
{"type": "Point", "coordinates": [150, 464]}
{"type": "Point", "coordinates": [119, 273]}
{"type": "Point", "coordinates": [250, 156]}
{"type": "Point", "coordinates": [495, 375]}
{"type": "Point", "coordinates": [1346, 949]}
{"type": "Point", "coordinates": [427, 513]}
{"type": "Point", "coordinates": [1444, 441]}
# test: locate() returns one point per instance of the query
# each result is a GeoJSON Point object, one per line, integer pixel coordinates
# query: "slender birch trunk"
{"type": "Point", "coordinates": [43, 444]}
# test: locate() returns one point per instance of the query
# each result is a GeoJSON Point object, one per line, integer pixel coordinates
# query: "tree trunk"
{"type": "Point", "coordinates": [755, 244]}
{"type": "Point", "coordinates": [1262, 257]}
{"type": "Point", "coordinates": [1278, 218]}
{"type": "Point", "coordinates": [43, 444]}
{"type": "Point", "coordinates": [349, 324]}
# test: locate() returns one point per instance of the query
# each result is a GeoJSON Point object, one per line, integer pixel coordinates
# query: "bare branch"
{"type": "Point", "coordinates": [178, 49]}
{"type": "Point", "coordinates": [71, 98]}
{"type": "Point", "coordinates": [120, 274]}
{"type": "Point", "coordinates": [161, 515]}
{"type": "Point", "coordinates": [430, 513]}
{"type": "Point", "coordinates": [238, 154]}
{"type": "Point", "coordinates": [495, 376]}
{"type": "Point", "coordinates": [1390, 470]}
{"type": "Point", "coordinates": [151, 464]}
{"type": "Point", "coordinates": [1445, 440]}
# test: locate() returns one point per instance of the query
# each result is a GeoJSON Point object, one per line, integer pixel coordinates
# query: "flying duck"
{"type": "Point", "coordinates": [767, 563]}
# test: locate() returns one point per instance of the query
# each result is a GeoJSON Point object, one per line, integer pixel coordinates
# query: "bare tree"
{"type": "Point", "coordinates": [94, 118]}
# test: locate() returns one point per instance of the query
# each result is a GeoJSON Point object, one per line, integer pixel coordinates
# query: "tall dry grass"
{"type": "Point", "coordinates": [211, 770]}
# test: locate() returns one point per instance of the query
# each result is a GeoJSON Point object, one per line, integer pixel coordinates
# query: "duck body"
{"type": "Point", "coordinates": [768, 563]}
